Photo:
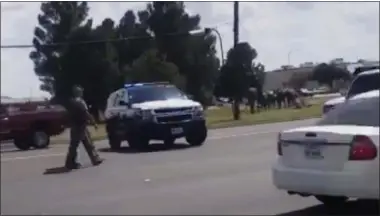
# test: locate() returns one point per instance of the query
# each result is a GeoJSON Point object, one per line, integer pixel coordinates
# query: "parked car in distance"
{"type": "Point", "coordinates": [363, 82]}
{"type": "Point", "coordinates": [336, 159]}
{"type": "Point", "coordinates": [31, 124]}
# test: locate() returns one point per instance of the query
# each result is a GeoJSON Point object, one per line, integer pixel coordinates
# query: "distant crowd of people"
{"type": "Point", "coordinates": [278, 98]}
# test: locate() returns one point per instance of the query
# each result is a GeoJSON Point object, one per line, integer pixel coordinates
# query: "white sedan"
{"type": "Point", "coordinates": [336, 159]}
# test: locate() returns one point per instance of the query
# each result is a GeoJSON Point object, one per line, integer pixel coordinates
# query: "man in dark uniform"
{"type": "Point", "coordinates": [79, 117]}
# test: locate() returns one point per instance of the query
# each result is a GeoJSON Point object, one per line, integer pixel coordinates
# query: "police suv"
{"type": "Point", "coordinates": [142, 112]}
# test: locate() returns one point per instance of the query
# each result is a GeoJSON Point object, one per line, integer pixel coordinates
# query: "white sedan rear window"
{"type": "Point", "coordinates": [363, 112]}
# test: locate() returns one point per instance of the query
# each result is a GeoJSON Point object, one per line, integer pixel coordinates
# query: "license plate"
{"type": "Point", "coordinates": [313, 151]}
{"type": "Point", "coordinates": [177, 130]}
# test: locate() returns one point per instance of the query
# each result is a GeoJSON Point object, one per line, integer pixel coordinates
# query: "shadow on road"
{"type": "Point", "coordinates": [154, 147]}
{"type": "Point", "coordinates": [56, 170]}
{"type": "Point", "coordinates": [350, 208]}
{"type": "Point", "coordinates": [62, 169]}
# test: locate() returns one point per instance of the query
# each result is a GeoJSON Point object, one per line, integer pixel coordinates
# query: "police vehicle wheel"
{"type": "Point", "coordinates": [138, 143]}
{"type": "Point", "coordinates": [115, 144]}
{"type": "Point", "coordinates": [22, 143]}
{"type": "Point", "coordinates": [197, 139]}
{"type": "Point", "coordinates": [169, 143]}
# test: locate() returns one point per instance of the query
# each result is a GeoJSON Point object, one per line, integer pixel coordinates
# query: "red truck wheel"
{"type": "Point", "coordinates": [22, 143]}
{"type": "Point", "coordinates": [40, 139]}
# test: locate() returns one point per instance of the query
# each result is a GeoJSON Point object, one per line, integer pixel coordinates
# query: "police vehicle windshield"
{"type": "Point", "coordinates": [154, 93]}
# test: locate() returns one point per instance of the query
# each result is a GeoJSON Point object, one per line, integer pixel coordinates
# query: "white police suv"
{"type": "Point", "coordinates": [142, 112]}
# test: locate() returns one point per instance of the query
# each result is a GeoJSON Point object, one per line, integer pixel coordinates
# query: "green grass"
{"type": "Point", "coordinates": [222, 118]}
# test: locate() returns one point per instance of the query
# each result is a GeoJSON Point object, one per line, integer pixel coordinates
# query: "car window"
{"type": "Point", "coordinates": [119, 97]}
{"type": "Point", "coordinates": [364, 112]}
{"type": "Point", "coordinates": [115, 98]}
{"type": "Point", "coordinates": [154, 93]}
{"type": "Point", "coordinates": [364, 83]}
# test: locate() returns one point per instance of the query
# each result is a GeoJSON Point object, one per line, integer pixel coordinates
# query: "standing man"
{"type": "Point", "coordinates": [79, 117]}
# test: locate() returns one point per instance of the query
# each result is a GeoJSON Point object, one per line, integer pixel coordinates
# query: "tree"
{"type": "Point", "coordinates": [140, 39]}
{"type": "Point", "coordinates": [56, 21]}
{"type": "Point", "coordinates": [203, 67]}
{"type": "Point", "coordinates": [94, 66]}
{"type": "Point", "coordinates": [298, 80]}
{"type": "Point", "coordinates": [236, 76]}
{"type": "Point", "coordinates": [259, 70]}
{"type": "Point", "coordinates": [327, 73]}
{"type": "Point", "coordinates": [195, 56]}
{"type": "Point", "coordinates": [150, 68]}
{"type": "Point", "coordinates": [255, 88]}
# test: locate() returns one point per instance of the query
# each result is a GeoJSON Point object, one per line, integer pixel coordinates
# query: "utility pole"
{"type": "Point", "coordinates": [236, 23]}
{"type": "Point", "coordinates": [236, 99]}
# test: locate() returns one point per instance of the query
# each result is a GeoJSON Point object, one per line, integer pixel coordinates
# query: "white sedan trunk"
{"type": "Point", "coordinates": [324, 148]}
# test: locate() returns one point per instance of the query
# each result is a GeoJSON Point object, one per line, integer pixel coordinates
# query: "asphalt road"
{"type": "Point", "coordinates": [230, 174]}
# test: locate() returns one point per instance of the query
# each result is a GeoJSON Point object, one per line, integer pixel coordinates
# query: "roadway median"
{"type": "Point", "coordinates": [221, 117]}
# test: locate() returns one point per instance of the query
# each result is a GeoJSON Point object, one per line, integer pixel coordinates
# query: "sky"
{"type": "Point", "coordinates": [310, 31]}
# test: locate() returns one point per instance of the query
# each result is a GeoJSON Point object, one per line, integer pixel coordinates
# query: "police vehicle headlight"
{"type": "Point", "coordinates": [147, 114]}
{"type": "Point", "coordinates": [144, 114]}
{"type": "Point", "coordinates": [198, 111]}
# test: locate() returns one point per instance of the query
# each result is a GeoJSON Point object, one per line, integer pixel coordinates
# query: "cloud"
{"type": "Point", "coordinates": [318, 31]}
{"type": "Point", "coordinates": [301, 5]}
{"type": "Point", "coordinates": [10, 6]}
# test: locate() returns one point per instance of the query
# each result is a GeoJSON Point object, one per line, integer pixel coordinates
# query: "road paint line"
{"type": "Point", "coordinates": [210, 138]}
{"type": "Point", "coordinates": [30, 157]}
{"type": "Point", "coordinates": [240, 135]}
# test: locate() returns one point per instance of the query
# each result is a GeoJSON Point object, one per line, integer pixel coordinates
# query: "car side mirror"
{"type": "Point", "coordinates": [123, 103]}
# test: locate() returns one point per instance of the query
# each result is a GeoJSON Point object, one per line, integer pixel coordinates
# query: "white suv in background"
{"type": "Point", "coordinates": [363, 82]}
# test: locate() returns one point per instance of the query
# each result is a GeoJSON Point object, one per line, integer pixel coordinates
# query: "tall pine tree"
{"type": "Point", "coordinates": [56, 22]}
{"type": "Point", "coordinates": [194, 55]}
{"type": "Point", "coordinates": [237, 76]}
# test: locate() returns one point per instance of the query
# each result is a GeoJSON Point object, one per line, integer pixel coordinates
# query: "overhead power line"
{"type": "Point", "coordinates": [94, 41]}
{"type": "Point", "coordinates": [205, 30]}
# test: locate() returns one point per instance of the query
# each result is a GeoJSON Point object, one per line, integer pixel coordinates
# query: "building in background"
{"type": "Point", "coordinates": [278, 77]}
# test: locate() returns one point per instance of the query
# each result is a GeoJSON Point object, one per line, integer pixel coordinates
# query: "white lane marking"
{"type": "Point", "coordinates": [31, 156]}
{"type": "Point", "coordinates": [210, 138]}
{"type": "Point", "coordinates": [240, 135]}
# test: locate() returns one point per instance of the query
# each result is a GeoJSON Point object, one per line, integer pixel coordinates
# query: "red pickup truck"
{"type": "Point", "coordinates": [31, 124]}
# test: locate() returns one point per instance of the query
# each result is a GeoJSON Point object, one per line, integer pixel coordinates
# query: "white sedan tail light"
{"type": "Point", "coordinates": [362, 148]}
